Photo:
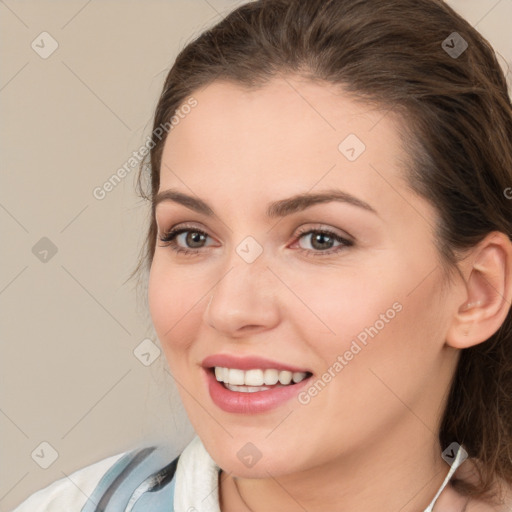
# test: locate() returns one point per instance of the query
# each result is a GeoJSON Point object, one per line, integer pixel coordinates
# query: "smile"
{"type": "Point", "coordinates": [254, 380]}
{"type": "Point", "coordinates": [251, 384]}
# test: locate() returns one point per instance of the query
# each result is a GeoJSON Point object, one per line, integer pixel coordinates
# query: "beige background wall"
{"type": "Point", "coordinates": [69, 322]}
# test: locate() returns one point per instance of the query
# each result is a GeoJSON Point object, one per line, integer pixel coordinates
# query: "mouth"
{"type": "Point", "coordinates": [251, 385]}
{"type": "Point", "coordinates": [257, 379]}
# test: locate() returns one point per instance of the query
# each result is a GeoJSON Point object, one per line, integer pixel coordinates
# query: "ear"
{"type": "Point", "coordinates": [488, 293]}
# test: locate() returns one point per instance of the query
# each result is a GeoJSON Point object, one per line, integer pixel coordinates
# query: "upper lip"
{"type": "Point", "coordinates": [247, 363]}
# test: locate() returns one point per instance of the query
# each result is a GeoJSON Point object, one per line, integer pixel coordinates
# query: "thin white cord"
{"type": "Point", "coordinates": [454, 466]}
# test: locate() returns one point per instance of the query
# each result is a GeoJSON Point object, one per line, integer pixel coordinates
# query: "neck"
{"type": "Point", "coordinates": [402, 470]}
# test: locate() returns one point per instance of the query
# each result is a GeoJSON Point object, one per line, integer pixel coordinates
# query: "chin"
{"type": "Point", "coordinates": [247, 460]}
{"type": "Point", "coordinates": [262, 469]}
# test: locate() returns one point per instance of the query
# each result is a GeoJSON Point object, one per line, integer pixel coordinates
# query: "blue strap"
{"type": "Point", "coordinates": [141, 480]}
{"type": "Point", "coordinates": [156, 492]}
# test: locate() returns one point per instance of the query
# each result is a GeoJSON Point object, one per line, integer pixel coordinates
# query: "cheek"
{"type": "Point", "coordinates": [336, 307]}
{"type": "Point", "coordinates": [379, 317]}
{"type": "Point", "coordinates": [393, 346]}
{"type": "Point", "coordinates": [171, 299]}
{"type": "Point", "coordinates": [158, 299]}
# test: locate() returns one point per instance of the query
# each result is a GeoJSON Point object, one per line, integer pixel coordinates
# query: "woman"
{"type": "Point", "coordinates": [330, 267]}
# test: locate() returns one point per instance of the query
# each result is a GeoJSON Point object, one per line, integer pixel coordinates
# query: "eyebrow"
{"type": "Point", "coordinates": [280, 208]}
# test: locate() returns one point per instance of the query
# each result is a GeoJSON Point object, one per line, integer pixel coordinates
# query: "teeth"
{"type": "Point", "coordinates": [298, 376]}
{"type": "Point", "coordinates": [256, 378]}
{"type": "Point", "coordinates": [285, 377]}
{"type": "Point", "coordinates": [246, 389]}
{"type": "Point", "coordinates": [236, 377]}
{"type": "Point", "coordinates": [270, 377]}
{"type": "Point", "coordinates": [253, 377]}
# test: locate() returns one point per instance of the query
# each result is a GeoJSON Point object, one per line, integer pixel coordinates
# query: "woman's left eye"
{"type": "Point", "coordinates": [322, 241]}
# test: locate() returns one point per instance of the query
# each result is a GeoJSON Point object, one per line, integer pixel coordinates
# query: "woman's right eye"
{"type": "Point", "coordinates": [193, 236]}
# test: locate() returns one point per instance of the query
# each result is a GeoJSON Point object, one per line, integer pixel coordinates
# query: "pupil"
{"type": "Point", "coordinates": [194, 236]}
{"type": "Point", "coordinates": [319, 237]}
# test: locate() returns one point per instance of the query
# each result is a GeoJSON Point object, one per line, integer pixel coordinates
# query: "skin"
{"type": "Point", "coordinates": [370, 436]}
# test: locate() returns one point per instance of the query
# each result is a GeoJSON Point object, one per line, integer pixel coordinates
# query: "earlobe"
{"type": "Point", "coordinates": [488, 293]}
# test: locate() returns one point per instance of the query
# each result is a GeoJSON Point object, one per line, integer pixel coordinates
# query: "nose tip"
{"type": "Point", "coordinates": [236, 307]}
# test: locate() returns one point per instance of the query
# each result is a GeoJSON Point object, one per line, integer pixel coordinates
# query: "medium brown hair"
{"type": "Point", "coordinates": [459, 123]}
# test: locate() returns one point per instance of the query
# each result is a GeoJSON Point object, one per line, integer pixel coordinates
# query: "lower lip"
{"type": "Point", "coordinates": [250, 403]}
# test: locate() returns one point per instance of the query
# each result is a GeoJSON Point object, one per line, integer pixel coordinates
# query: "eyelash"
{"type": "Point", "coordinates": [169, 241]}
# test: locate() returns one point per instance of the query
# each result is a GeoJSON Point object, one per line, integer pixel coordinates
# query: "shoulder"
{"type": "Point", "coordinates": [134, 481]}
{"type": "Point", "coordinates": [71, 492]}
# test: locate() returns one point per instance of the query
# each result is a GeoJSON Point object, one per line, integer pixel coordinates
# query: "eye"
{"type": "Point", "coordinates": [193, 237]}
{"type": "Point", "coordinates": [322, 240]}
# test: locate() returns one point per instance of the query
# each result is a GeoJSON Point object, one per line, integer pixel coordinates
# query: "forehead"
{"type": "Point", "coordinates": [288, 113]}
{"type": "Point", "coordinates": [287, 119]}
{"type": "Point", "coordinates": [286, 137]}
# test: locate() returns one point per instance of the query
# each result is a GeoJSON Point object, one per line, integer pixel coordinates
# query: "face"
{"type": "Point", "coordinates": [344, 293]}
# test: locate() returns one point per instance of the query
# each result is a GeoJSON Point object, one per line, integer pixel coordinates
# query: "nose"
{"type": "Point", "coordinates": [244, 299]}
